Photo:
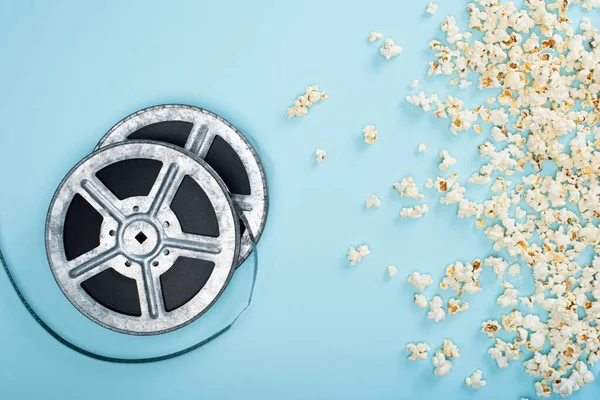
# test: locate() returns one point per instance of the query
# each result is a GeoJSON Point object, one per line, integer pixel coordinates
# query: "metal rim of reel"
{"type": "Point", "coordinates": [204, 127]}
{"type": "Point", "coordinates": [164, 243]}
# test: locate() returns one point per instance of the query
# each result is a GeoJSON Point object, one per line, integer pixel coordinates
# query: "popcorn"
{"type": "Point", "coordinates": [509, 297]}
{"type": "Point", "coordinates": [447, 160]}
{"type": "Point", "coordinates": [431, 8]}
{"type": "Point", "coordinates": [464, 84]}
{"type": "Point", "coordinates": [408, 188]}
{"type": "Point", "coordinates": [392, 271]}
{"type": "Point", "coordinates": [414, 83]}
{"type": "Point", "coordinates": [320, 154]}
{"type": "Point", "coordinates": [373, 36]}
{"type": "Point", "coordinates": [420, 281]}
{"type": "Point", "coordinates": [418, 351]}
{"type": "Point", "coordinates": [356, 255]}
{"type": "Point", "coordinates": [454, 306]}
{"type": "Point", "coordinates": [421, 301]}
{"type": "Point", "coordinates": [390, 49]}
{"type": "Point", "coordinates": [414, 212]}
{"type": "Point", "coordinates": [441, 364]}
{"type": "Point", "coordinates": [514, 270]}
{"type": "Point", "coordinates": [373, 201]}
{"type": "Point", "coordinates": [450, 349]}
{"type": "Point", "coordinates": [304, 102]}
{"type": "Point", "coordinates": [436, 312]}
{"type": "Point", "coordinates": [490, 328]}
{"type": "Point", "coordinates": [475, 380]}
{"type": "Point", "coordinates": [370, 134]}
{"type": "Point", "coordinates": [422, 148]}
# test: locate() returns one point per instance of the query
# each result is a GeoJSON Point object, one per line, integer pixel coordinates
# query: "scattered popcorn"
{"type": "Point", "coordinates": [370, 134]}
{"type": "Point", "coordinates": [514, 270]}
{"type": "Point", "coordinates": [373, 201]}
{"type": "Point", "coordinates": [510, 296]}
{"type": "Point", "coordinates": [454, 306]}
{"type": "Point", "coordinates": [447, 160]}
{"type": "Point", "coordinates": [450, 349]}
{"type": "Point", "coordinates": [420, 281]}
{"type": "Point", "coordinates": [422, 148]}
{"type": "Point", "coordinates": [436, 312]}
{"type": "Point", "coordinates": [462, 277]}
{"type": "Point", "coordinates": [475, 380]}
{"type": "Point", "coordinates": [373, 36]}
{"type": "Point", "coordinates": [414, 84]}
{"type": "Point", "coordinates": [356, 255]}
{"type": "Point", "coordinates": [421, 301]}
{"type": "Point", "coordinates": [390, 49]}
{"type": "Point", "coordinates": [441, 364]}
{"type": "Point", "coordinates": [490, 328]}
{"type": "Point", "coordinates": [320, 154]}
{"type": "Point", "coordinates": [408, 188]}
{"type": "Point", "coordinates": [418, 351]}
{"type": "Point", "coordinates": [464, 84]}
{"type": "Point", "coordinates": [431, 8]}
{"type": "Point", "coordinates": [392, 271]}
{"type": "Point", "coordinates": [414, 212]}
{"type": "Point", "coordinates": [304, 102]}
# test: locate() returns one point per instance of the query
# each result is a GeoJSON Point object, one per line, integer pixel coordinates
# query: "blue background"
{"type": "Point", "coordinates": [318, 329]}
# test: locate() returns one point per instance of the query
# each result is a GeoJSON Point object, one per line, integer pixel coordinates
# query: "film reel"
{"type": "Point", "coordinates": [219, 144]}
{"type": "Point", "coordinates": [142, 237]}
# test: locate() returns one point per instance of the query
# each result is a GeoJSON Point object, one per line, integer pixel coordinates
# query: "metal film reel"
{"type": "Point", "coordinates": [142, 237]}
{"type": "Point", "coordinates": [219, 144]}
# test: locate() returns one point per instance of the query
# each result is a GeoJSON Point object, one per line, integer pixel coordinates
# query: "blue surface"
{"type": "Point", "coordinates": [317, 329]}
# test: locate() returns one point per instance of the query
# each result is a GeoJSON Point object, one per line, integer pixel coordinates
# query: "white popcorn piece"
{"type": "Point", "coordinates": [408, 188]}
{"type": "Point", "coordinates": [476, 380]}
{"type": "Point", "coordinates": [447, 160]}
{"type": "Point", "coordinates": [431, 8]}
{"type": "Point", "coordinates": [420, 281]}
{"type": "Point", "coordinates": [455, 306]}
{"type": "Point", "coordinates": [415, 212]}
{"type": "Point", "coordinates": [464, 84]}
{"type": "Point", "coordinates": [514, 270]}
{"type": "Point", "coordinates": [422, 148]}
{"type": "Point", "coordinates": [373, 201]}
{"type": "Point", "coordinates": [421, 301]}
{"type": "Point", "coordinates": [370, 134]}
{"type": "Point", "coordinates": [450, 349]}
{"type": "Point", "coordinates": [490, 328]}
{"type": "Point", "coordinates": [356, 255]}
{"type": "Point", "coordinates": [414, 83]}
{"type": "Point", "coordinates": [390, 49]}
{"type": "Point", "coordinates": [392, 271]}
{"type": "Point", "coordinates": [320, 155]}
{"type": "Point", "coordinates": [441, 364]}
{"type": "Point", "coordinates": [417, 351]}
{"type": "Point", "coordinates": [373, 36]}
{"type": "Point", "coordinates": [436, 312]}
{"type": "Point", "coordinates": [510, 296]}
{"type": "Point", "coordinates": [304, 102]}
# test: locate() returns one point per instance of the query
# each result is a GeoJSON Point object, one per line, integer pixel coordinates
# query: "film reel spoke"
{"type": "Point", "coordinates": [200, 139]}
{"type": "Point", "coordinates": [244, 202]}
{"type": "Point", "coordinates": [94, 262]}
{"type": "Point", "coordinates": [166, 189]}
{"type": "Point", "coordinates": [150, 290]}
{"type": "Point", "coordinates": [103, 199]}
{"type": "Point", "coordinates": [202, 245]}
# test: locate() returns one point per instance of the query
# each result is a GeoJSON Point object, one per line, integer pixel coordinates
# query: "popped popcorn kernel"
{"type": "Point", "coordinates": [431, 8]}
{"type": "Point", "coordinates": [415, 212]}
{"type": "Point", "coordinates": [476, 380]}
{"type": "Point", "coordinates": [304, 102]}
{"type": "Point", "coordinates": [373, 201]}
{"type": "Point", "coordinates": [420, 281]}
{"type": "Point", "coordinates": [373, 36]}
{"type": "Point", "coordinates": [356, 255]}
{"type": "Point", "coordinates": [320, 155]}
{"type": "Point", "coordinates": [370, 134]}
{"type": "Point", "coordinates": [417, 351]}
{"type": "Point", "coordinates": [392, 271]}
{"type": "Point", "coordinates": [390, 49]}
{"type": "Point", "coordinates": [422, 148]}
{"type": "Point", "coordinates": [447, 160]}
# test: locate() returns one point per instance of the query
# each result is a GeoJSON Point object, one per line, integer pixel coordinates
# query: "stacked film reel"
{"type": "Point", "coordinates": [144, 234]}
